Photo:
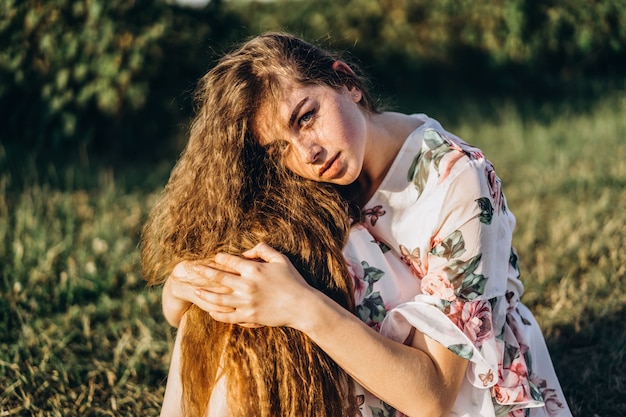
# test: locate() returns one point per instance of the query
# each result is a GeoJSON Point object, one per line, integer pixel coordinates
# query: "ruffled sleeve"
{"type": "Point", "coordinates": [463, 266]}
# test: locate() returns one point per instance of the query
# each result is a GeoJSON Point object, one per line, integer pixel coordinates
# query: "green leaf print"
{"type": "Point", "coordinates": [535, 392]}
{"type": "Point", "coordinates": [472, 287]}
{"type": "Point", "coordinates": [528, 358]}
{"type": "Point", "coordinates": [433, 139]}
{"type": "Point", "coordinates": [384, 248]}
{"type": "Point", "coordinates": [437, 148]}
{"type": "Point", "coordinates": [386, 411]}
{"type": "Point", "coordinates": [371, 275]}
{"type": "Point", "coordinates": [456, 269]}
{"type": "Point", "coordinates": [486, 210]}
{"type": "Point", "coordinates": [502, 410]}
{"type": "Point", "coordinates": [501, 335]}
{"type": "Point", "coordinates": [438, 154]}
{"type": "Point", "coordinates": [510, 354]}
{"type": "Point", "coordinates": [419, 171]}
{"type": "Point", "coordinates": [492, 302]}
{"type": "Point", "coordinates": [372, 309]}
{"type": "Point", "coordinates": [463, 350]}
{"type": "Point", "coordinates": [413, 168]}
{"type": "Point", "coordinates": [452, 246]}
{"type": "Point", "coordinates": [513, 260]}
{"type": "Point", "coordinates": [467, 285]}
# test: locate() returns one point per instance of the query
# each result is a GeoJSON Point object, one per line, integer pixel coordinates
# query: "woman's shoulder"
{"type": "Point", "coordinates": [400, 125]}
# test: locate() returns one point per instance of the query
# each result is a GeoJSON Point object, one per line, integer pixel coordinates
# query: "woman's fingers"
{"type": "Point", "coordinates": [265, 252]}
{"type": "Point", "coordinates": [260, 288]}
{"type": "Point", "coordinates": [204, 300]}
{"type": "Point", "coordinates": [195, 274]}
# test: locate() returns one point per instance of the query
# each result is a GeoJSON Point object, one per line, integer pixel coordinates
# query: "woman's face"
{"type": "Point", "coordinates": [319, 132]}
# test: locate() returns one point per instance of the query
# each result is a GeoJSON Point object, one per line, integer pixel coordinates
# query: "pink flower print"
{"type": "Point", "coordinates": [471, 151]}
{"type": "Point", "coordinates": [511, 300]}
{"type": "Point", "coordinates": [518, 334]}
{"type": "Point", "coordinates": [435, 240]}
{"type": "Point", "coordinates": [448, 161]}
{"type": "Point", "coordinates": [418, 267]}
{"type": "Point", "coordinates": [553, 403]}
{"type": "Point", "coordinates": [495, 186]}
{"type": "Point", "coordinates": [458, 144]}
{"type": "Point", "coordinates": [438, 286]}
{"type": "Point", "coordinates": [374, 213]}
{"type": "Point", "coordinates": [518, 374]}
{"type": "Point", "coordinates": [513, 383]}
{"type": "Point", "coordinates": [474, 319]}
{"type": "Point", "coordinates": [505, 395]}
{"type": "Point", "coordinates": [356, 272]}
{"type": "Point", "coordinates": [514, 395]}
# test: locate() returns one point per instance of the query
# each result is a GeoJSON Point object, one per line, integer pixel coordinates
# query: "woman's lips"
{"type": "Point", "coordinates": [327, 170]}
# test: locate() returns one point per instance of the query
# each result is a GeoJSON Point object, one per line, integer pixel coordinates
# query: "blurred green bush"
{"type": "Point", "coordinates": [114, 76]}
{"type": "Point", "coordinates": [501, 46]}
{"type": "Point", "coordinates": [99, 75]}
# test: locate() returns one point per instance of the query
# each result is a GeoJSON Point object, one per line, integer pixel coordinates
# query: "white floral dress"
{"type": "Point", "coordinates": [433, 251]}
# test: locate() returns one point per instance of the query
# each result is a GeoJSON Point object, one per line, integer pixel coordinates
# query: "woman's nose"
{"type": "Point", "coordinates": [310, 151]}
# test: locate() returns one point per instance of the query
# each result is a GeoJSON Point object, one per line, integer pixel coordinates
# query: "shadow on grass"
{"type": "Point", "coordinates": [591, 365]}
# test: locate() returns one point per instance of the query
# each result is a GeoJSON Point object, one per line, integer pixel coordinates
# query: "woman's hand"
{"type": "Point", "coordinates": [180, 289]}
{"type": "Point", "coordinates": [263, 288]}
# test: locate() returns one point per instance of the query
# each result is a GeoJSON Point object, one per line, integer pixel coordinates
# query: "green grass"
{"type": "Point", "coordinates": [80, 335]}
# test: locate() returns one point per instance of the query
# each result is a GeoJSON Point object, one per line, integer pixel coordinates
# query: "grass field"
{"type": "Point", "coordinates": [80, 335]}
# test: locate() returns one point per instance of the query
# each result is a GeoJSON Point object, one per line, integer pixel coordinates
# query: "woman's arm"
{"type": "Point", "coordinates": [172, 400]}
{"type": "Point", "coordinates": [421, 379]}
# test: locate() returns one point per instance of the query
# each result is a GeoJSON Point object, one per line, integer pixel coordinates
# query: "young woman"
{"type": "Point", "coordinates": [439, 328]}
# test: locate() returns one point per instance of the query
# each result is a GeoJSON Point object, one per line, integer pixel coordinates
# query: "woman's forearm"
{"type": "Point", "coordinates": [173, 307]}
{"type": "Point", "coordinates": [419, 380]}
{"type": "Point", "coordinates": [422, 379]}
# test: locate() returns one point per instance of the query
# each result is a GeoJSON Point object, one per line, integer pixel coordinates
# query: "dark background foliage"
{"type": "Point", "coordinates": [92, 78]}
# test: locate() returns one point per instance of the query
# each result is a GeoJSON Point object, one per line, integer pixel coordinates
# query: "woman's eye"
{"type": "Point", "coordinates": [306, 118]}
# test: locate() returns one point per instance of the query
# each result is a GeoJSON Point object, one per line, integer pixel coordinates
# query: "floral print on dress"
{"type": "Point", "coordinates": [464, 291]}
{"type": "Point", "coordinates": [457, 273]}
{"type": "Point", "coordinates": [442, 151]}
{"type": "Point", "coordinates": [554, 404]}
{"type": "Point", "coordinates": [418, 266]}
{"type": "Point", "coordinates": [370, 305]}
{"type": "Point", "coordinates": [486, 210]}
{"type": "Point", "coordinates": [373, 214]}
{"type": "Point", "coordinates": [385, 410]}
{"type": "Point", "coordinates": [495, 187]}
{"type": "Point", "coordinates": [474, 319]}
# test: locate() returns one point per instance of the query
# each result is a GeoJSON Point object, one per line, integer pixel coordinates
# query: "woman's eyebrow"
{"type": "Point", "coordinates": [296, 110]}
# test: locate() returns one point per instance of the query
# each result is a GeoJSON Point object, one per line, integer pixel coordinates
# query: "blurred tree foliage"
{"type": "Point", "coordinates": [494, 46]}
{"type": "Point", "coordinates": [99, 75]}
{"type": "Point", "coordinates": [116, 75]}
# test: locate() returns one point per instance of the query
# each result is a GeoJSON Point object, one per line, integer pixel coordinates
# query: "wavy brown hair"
{"type": "Point", "coordinates": [227, 193]}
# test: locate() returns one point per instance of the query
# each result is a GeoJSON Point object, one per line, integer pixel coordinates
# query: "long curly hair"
{"type": "Point", "coordinates": [227, 193]}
